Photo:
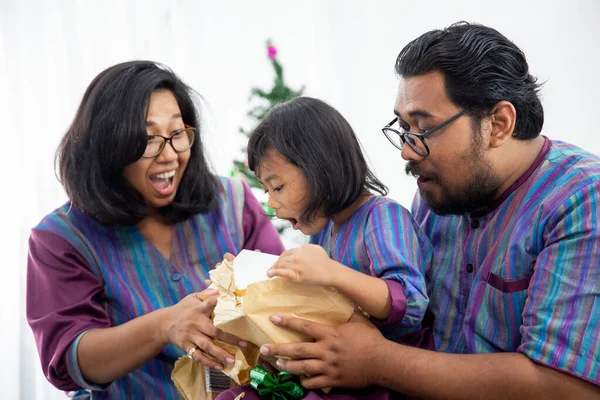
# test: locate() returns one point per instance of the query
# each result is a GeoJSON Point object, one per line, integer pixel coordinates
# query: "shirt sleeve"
{"type": "Point", "coordinates": [62, 303]}
{"type": "Point", "coordinates": [259, 231]}
{"type": "Point", "coordinates": [400, 254]}
{"type": "Point", "coordinates": [561, 318]}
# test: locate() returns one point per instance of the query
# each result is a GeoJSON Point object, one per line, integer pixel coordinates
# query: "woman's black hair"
{"type": "Point", "coordinates": [109, 132]}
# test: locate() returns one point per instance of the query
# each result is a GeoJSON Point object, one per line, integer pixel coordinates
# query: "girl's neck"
{"type": "Point", "coordinates": [346, 213]}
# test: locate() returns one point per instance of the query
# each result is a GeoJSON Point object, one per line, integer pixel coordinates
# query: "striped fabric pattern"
{"type": "Point", "coordinates": [138, 279]}
{"type": "Point", "coordinates": [524, 276]}
{"type": "Point", "coordinates": [382, 239]}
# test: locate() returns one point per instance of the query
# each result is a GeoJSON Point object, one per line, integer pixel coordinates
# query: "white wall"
{"type": "Point", "coordinates": [343, 51]}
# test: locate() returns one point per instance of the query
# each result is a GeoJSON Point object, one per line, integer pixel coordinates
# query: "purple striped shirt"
{"type": "Point", "coordinates": [523, 275]}
{"type": "Point", "coordinates": [83, 275]}
{"type": "Point", "coordinates": [382, 239]}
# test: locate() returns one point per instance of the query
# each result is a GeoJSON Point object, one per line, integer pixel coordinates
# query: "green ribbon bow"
{"type": "Point", "coordinates": [283, 386]}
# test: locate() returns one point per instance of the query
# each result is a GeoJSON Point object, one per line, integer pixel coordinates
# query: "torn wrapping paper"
{"type": "Point", "coordinates": [245, 309]}
{"type": "Point", "coordinates": [247, 300]}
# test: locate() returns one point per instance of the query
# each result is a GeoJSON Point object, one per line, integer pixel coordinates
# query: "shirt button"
{"type": "Point", "coordinates": [469, 268]}
{"type": "Point", "coordinates": [175, 276]}
{"type": "Point", "coordinates": [475, 224]}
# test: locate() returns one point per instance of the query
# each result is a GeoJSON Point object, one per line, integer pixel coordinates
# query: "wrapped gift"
{"type": "Point", "coordinates": [248, 299]}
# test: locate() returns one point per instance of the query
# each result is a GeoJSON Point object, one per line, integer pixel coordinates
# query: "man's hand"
{"type": "Point", "coordinates": [344, 356]}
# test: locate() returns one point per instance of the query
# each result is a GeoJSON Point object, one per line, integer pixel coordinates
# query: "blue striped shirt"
{"type": "Point", "coordinates": [382, 239]}
{"type": "Point", "coordinates": [523, 275]}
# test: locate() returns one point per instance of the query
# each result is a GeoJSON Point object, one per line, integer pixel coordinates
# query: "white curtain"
{"type": "Point", "coordinates": [343, 51]}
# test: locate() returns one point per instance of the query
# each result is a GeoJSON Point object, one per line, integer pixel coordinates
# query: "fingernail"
{"type": "Point", "coordinates": [218, 367]}
{"type": "Point", "coordinates": [242, 343]}
{"type": "Point", "coordinates": [264, 350]}
{"type": "Point", "coordinates": [230, 360]}
{"type": "Point", "coordinates": [279, 363]}
{"type": "Point", "coordinates": [275, 319]}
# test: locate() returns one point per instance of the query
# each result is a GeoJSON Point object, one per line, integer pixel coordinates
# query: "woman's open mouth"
{"type": "Point", "coordinates": [163, 182]}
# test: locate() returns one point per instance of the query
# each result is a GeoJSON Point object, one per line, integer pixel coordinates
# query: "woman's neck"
{"type": "Point", "coordinates": [158, 232]}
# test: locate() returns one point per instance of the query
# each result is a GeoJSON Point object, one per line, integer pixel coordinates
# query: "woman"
{"type": "Point", "coordinates": [110, 273]}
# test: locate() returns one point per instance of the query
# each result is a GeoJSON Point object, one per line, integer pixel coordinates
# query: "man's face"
{"type": "Point", "coordinates": [455, 178]}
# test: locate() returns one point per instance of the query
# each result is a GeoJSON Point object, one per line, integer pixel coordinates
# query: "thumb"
{"type": "Point", "coordinates": [206, 293]}
{"type": "Point", "coordinates": [209, 304]}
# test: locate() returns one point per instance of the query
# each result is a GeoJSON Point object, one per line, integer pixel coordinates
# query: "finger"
{"type": "Point", "coordinates": [206, 294]}
{"type": "Point", "coordinates": [280, 263]}
{"type": "Point", "coordinates": [205, 344]}
{"type": "Point", "coordinates": [258, 250]}
{"type": "Point", "coordinates": [201, 358]}
{"type": "Point", "coordinates": [207, 361]}
{"type": "Point", "coordinates": [208, 305]}
{"type": "Point", "coordinates": [202, 321]}
{"type": "Point", "coordinates": [288, 253]}
{"type": "Point", "coordinates": [303, 367]}
{"type": "Point", "coordinates": [229, 257]}
{"type": "Point", "coordinates": [298, 351]}
{"type": "Point", "coordinates": [309, 328]}
{"type": "Point", "coordinates": [231, 339]}
{"type": "Point", "coordinates": [207, 282]}
{"type": "Point", "coordinates": [317, 382]}
{"type": "Point", "coordinates": [283, 273]}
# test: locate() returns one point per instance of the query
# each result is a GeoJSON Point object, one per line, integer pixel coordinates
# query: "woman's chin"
{"type": "Point", "coordinates": [159, 202]}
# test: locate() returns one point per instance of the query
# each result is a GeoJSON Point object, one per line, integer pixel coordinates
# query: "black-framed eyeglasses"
{"type": "Point", "coordinates": [181, 140]}
{"type": "Point", "coordinates": [415, 140]}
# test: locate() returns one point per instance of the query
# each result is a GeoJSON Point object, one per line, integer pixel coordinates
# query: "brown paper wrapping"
{"type": "Point", "coordinates": [246, 314]}
{"type": "Point", "coordinates": [282, 297]}
{"type": "Point", "coordinates": [188, 377]}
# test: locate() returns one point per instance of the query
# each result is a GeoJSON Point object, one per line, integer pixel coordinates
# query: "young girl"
{"type": "Point", "coordinates": [368, 247]}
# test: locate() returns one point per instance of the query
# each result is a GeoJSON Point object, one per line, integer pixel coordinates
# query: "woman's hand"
{"type": "Point", "coordinates": [308, 264]}
{"type": "Point", "coordinates": [189, 326]}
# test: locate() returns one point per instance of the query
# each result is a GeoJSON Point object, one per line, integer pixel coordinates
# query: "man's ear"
{"type": "Point", "coordinates": [502, 118]}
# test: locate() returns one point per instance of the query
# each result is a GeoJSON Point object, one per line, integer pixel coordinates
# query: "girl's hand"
{"type": "Point", "coordinates": [308, 264]}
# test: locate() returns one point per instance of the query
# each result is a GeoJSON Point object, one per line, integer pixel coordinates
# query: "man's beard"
{"type": "Point", "coordinates": [478, 191]}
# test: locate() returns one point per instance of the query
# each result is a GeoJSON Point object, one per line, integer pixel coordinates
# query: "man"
{"type": "Point", "coordinates": [514, 219]}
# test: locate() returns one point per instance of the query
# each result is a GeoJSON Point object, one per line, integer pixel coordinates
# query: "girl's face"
{"type": "Point", "coordinates": [158, 178]}
{"type": "Point", "coordinates": [288, 191]}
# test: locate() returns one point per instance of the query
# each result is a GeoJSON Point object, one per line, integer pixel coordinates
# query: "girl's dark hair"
{"type": "Point", "coordinates": [109, 133]}
{"type": "Point", "coordinates": [481, 67]}
{"type": "Point", "coordinates": [316, 138]}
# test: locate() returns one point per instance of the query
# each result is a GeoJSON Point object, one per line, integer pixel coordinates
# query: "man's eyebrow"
{"type": "Point", "coordinates": [415, 114]}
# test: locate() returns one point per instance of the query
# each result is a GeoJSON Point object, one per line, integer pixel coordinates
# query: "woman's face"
{"type": "Point", "coordinates": [158, 178]}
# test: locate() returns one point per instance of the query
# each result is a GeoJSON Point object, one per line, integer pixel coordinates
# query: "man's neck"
{"type": "Point", "coordinates": [518, 157]}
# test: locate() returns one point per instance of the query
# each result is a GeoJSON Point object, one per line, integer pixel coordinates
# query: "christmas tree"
{"type": "Point", "coordinates": [264, 100]}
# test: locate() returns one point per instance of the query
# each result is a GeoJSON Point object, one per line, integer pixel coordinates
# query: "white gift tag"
{"type": "Point", "coordinates": [250, 267]}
